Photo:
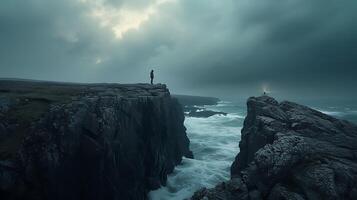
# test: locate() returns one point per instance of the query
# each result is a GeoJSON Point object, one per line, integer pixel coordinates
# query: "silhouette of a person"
{"type": "Point", "coordinates": [152, 76]}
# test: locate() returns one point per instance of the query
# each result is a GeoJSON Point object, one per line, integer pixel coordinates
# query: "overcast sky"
{"type": "Point", "coordinates": [207, 47]}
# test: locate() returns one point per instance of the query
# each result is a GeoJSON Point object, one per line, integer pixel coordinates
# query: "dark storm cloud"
{"type": "Point", "coordinates": [299, 46]}
{"type": "Point", "coordinates": [295, 47]}
{"type": "Point", "coordinates": [41, 39]}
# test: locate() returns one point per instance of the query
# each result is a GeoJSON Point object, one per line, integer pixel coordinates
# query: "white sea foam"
{"type": "Point", "coordinates": [333, 113]}
{"type": "Point", "coordinates": [223, 103]}
{"type": "Point", "coordinates": [214, 142]}
{"type": "Point", "coordinates": [339, 113]}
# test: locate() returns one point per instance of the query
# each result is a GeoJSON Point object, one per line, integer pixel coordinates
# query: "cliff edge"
{"type": "Point", "coordinates": [290, 151]}
{"type": "Point", "coordinates": [87, 141]}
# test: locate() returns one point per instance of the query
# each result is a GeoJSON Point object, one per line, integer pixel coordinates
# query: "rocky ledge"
{"type": "Point", "coordinates": [289, 151]}
{"type": "Point", "coordinates": [87, 141]}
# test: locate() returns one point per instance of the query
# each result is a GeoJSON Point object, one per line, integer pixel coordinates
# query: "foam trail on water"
{"type": "Point", "coordinates": [214, 142]}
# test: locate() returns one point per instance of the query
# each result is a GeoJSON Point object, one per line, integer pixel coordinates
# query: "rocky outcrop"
{"type": "Point", "coordinates": [204, 113]}
{"type": "Point", "coordinates": [94, 141]}
{"type": "Point", "coordinates": [289, 151]}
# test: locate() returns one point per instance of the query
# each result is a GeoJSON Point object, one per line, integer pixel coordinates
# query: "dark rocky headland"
{"type": "Point", "coordinates": [289, 151]}
{"type": "Point", "coordinates": [204, 113]}
{"type": "Point", "coordinates": [87, 141]}
{"type": "Point", "coordinates": [194, 105]}
{"type": "Point", "coordinates": [188, 100]}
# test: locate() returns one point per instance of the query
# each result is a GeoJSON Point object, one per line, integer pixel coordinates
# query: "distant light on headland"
{"type": "Point", "coordinates": [98, 61]}
{"type": "Point", "coordinates": [266, 89]}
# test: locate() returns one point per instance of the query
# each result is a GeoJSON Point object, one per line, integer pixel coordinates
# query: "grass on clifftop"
{"type": "Point", "coordinates": [20, 117]}
{"type": "Point", "coordinates": [28, 104]}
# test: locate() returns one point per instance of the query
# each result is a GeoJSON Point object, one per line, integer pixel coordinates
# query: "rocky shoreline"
{"type": "Point", "coordinates": [87, 141]}
{"type": "Point", "coordinates": [113, 141]}
{"type": "Point", "coordinates": [289, 151]}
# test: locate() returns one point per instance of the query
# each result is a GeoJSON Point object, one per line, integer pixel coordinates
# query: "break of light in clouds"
{"type": "Point", "coordinates": [98, 61]}
{"type": "Point", "coordinates": [122, 20]}
{"type": "Point", "coordinates": [205, 47]}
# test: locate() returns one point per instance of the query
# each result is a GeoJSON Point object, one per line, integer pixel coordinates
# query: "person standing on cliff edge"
{"type": "Point", "coordinates": [152, 76]}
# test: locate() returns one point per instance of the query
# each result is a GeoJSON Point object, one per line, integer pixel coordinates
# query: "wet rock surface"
{"type": "Point", "coordinates": [204, 113]}
{"type": "Point", "coordinates": [289, 151]}
{"type": "Point", "coordinates": [87, 141]}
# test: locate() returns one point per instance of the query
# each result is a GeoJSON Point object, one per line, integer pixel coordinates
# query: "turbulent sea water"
{"type": "Point", "coordinates": [214, 142]}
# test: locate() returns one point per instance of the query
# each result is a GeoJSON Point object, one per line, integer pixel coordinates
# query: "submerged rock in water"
{"type": "Point", "coordinates": [193, 105]}
{"type": "Point", "coordinates": [289, 151]}
{"type": "Point", "coordinates": [87, 141]}
{"type": "Point", "coordinates": [204, 113]}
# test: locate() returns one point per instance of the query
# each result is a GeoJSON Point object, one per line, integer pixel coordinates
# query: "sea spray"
{"type": "Point", "coordinates": [214, 142]}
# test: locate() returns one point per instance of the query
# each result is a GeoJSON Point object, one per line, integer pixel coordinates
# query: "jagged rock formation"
{"type": "Point", "coordinates": [94, 141]}
{"type": "Point", "coordinates": [289, 151]}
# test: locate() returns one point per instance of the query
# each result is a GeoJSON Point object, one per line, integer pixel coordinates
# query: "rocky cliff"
{"type": "Point", "coordinates": [93, 141]}
{"type": "Point", "coordinates": [289, 151]}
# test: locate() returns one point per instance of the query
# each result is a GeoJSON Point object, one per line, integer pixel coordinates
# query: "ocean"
{"type": "Point", "coordinates": [214, 142]}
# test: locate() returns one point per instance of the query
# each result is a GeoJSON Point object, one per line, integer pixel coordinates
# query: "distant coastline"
{"type": "Point", "coordinates": [188, 100]}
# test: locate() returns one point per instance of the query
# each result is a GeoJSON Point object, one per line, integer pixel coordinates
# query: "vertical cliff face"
{"type": "Point", "coordinates": [88, 141]}
{"type": "Point", "coordinates": [290, 151]}
{"type": "Point", "coordinates": [255, 134]}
